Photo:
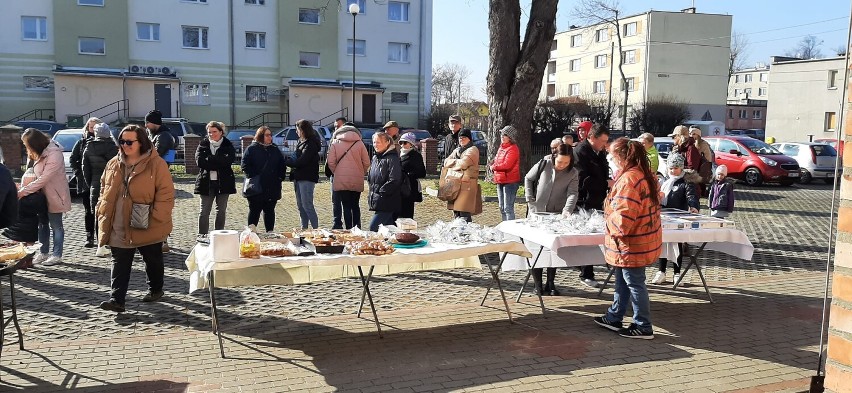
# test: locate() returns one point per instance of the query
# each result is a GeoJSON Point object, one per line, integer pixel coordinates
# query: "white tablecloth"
{"type": "Point", "coordinates": [586, 249]}
{"type": "Point", "coordinates": [301, 270]}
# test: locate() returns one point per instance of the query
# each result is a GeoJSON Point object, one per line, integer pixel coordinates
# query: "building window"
{"type": "Point", "coordinates": [747, 92]}
{"type": "Point", "coordinates": [195, 93]}
{"type": "Point", "coordinates": [621, 110]}
{"type": "Point", "coordinates": [309, 15]}
{"type": "Point", "coordinates": [576, 40]}
{"type": "Point", "coordinates": [255, 93]}
{"type": "Point", "coordinates": [398, 11]}
{"type": "Point", "coordinates": [737, 92]}
{"type": "Point", "coordinates": [398, 52]}
{"type": "Point", "coordinates": [599, 87]}
{"type": "Point", "coordinates": [832, 79]}
{"type": "Point", "coordinates": [362, 4]}
{"type": "Point", "coordinates": [743, 114]}
{"type": "Point", "coordinates": [602, 35]}
{"type": "Point", "coordinates": [730, 113]}
{"type": "Point", "coordinates": [574, 89]}
{"type": "Point", "coordinates": [255, 40]}
{"type": "Point", "coordinates": [736, 79]}
{"type": "Point", "coordinates": [309, 59]}
{"type": "Point", "coordinates": [629, 83]}
{"type": "Point", "coordinates": [195, 1]}
{"type": "Point", "coordinates": [628, 57]}
{"type": "Point", "coordinates": [574, 65]}
{"type": "Point", "coordinates": [764, 77]}
{"type": "Point", "coordinates": [756, 115]}
{"type": "Point", "coordinates": [631, 29]}
{"type": "Point", "coordinates": [38, 83]}
{"type": "Point", "coordinates": [91, 46]}
{"type": "Point", "coordinates": [256, 2]}
{"type": "Point", "coordinates": [399, 98]}
{"type": "Point", "coordinates": [830, 121]}
{"type": "Point", "coordinates": [360, 47]}
{"type": "Point", "coordinates": [761, 91]}
{"type": "Point", "coordinates": [194, 37]}
{"type": "Point", "coordinates": [551, 90]}
{"type": "Point", "coordinates": [34, 28]}
{"type": "Point", "coordinates": [748, 78]}
{"type": "Point", "coordinates": [147, 31]}
{"type": "Point", "coordinates": [97, 3]}
{"type": "Point", "coordinates": [600, 61]}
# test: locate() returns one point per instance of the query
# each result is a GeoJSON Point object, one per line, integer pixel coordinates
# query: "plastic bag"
{"type": "Point", "coordinates": [249, 244]}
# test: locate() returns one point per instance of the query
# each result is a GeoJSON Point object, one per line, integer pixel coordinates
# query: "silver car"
{"type": "Point", "coordinates": [287, 140]}
{"type": "Point", "coordinates": [816, 160]}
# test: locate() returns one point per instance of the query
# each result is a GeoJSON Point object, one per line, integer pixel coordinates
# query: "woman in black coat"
{"type": "Point", "coordinates": [215, 181]}
{"type": "Point", "coordinates": [97, 154]}
{"type": "Point", "coordinates": [262, 158]}
{"type": "Point", "coordinates": [305, 172]}
{"type": "Point", "coordinates": [413, 169]}
{"type": "Point", "coordinates": [82, 188]}
{"type": "Point", "coordinates": [385, 179]}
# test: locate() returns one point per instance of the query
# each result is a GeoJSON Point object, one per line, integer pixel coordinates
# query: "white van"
{"type": "Point", "coordinates": [708, 128]}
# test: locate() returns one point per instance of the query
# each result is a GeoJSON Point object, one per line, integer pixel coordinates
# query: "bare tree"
{"type": "Point", "coordinates": [840, 50]}
{"type": "Point", "coordinates": [807, 48]}
{"type": "Point", "coordinates": [607, 12]}
{"type": "Point", "coordinates": [449, 83]}
{"type": "Point", "coordinates": [517, 67]}
{"type": "Point", "coordinates": [739, 50]}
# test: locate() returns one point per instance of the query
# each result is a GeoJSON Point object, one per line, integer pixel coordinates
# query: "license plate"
{"type": "Point", "coordinates": [794, 174]}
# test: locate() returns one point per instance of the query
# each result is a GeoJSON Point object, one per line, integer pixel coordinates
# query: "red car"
{"type": "Point", "coordinates": [754, 161]}
{"type": "Point", "coordinates": [837, 145]}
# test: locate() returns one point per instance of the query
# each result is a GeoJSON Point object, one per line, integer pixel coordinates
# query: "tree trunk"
{"type": "Point", "coordinates": [516, 69]}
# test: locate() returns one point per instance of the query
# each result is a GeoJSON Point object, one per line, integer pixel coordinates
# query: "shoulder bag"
{"type": "Point", "coordinates": [328, 172]}
{"type": "Point", "coordinates": [140, 213]}
{"type": "Point", "coordinates": [251, 185]}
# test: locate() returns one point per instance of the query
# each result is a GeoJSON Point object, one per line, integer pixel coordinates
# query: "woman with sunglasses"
{"type": "Point", "coordinates": [136, 176]}
{"type": "Point", "coordinates": [215, 181]}
{"type": "Point", "coordinates": [262, 158]}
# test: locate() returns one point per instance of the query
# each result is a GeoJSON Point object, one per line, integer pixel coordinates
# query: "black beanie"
{"type": "Point", "coordinates": [155, 117]}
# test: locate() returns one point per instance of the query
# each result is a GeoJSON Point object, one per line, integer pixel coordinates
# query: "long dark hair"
{"type": "Point", "coordinates": [35, 141]}
{"type": "Point", "coordinates": [633, 154]}
{"type": "Point", "coordinates": [308, 131]}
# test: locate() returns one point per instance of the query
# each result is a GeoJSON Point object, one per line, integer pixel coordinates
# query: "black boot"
{"type": "Point", "coordinates": [90, 240]}
{"type": "Point", "coordinates": [536, 274]}
{"type": "Point", "coordinates": [550, 288]}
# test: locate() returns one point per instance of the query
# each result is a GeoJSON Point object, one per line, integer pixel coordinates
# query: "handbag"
{"type": "Point", "coordinates": [449, 184]}
{"type": "Point", "coordinates": [140, 213]}
{"type": "Point", "coordinates": [328, 172]}
{"type": "Point", "coordinates": [252, 186]}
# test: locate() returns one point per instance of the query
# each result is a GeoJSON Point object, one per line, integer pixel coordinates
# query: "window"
{"type": "Point", "coordinates": [309, 59]}
{"type": "Point", "coordinates": [602, 35]}
{"type": "Point", "coordinates": [631, 29]}
{"type": "Point", "coordinates": [255, 40]}
{"type": "Point", "coordinates": [621, 110]}
{"type": "Point", "coordinates": [309, 16]}
{"type": "Point", "coordinates": [91, 46]}
{"type": "Point", "coordinates": [764, 77]}
{"type": "Point", "coordinates": [551, 90]}
{"type": "Point", "coordinates": [362, 4]}
{"type": "Point", "coordinates": [255, 93]}
{"type": "Point", "coordinates": [736, 79]}
{"type": "Point", "coordinates": [599, 87]}
{"type": "Point", "coordinates": [791, 150]}
{"type": "Point", "coordinates": [748, 78]}
{"type": "Point", "coordinates": [830, 121]}
{"type": "Point", "coordinates": [576, 40]}
{"type": "Point", "coordinates": [737, 92]}
{"type": "Point", "coordinates": [726, 146]}
{"type": "Point", "coordinates": [147, 31]}
{"type": "Point", "coordinates": [195, 1]}
{"type": "Point", "coordinates": [832, 79]}
{"type": "Point", "coordinates": [398, 11]}
{"type": "Point", "coordinates": [38, 83]}
{"type": "Point", "coordinates": [574, 65]}
{"type": "Point", "coordinates": [628, 57]}
{"type": "Point", "coordinates": [399, 98]}
{"type": "Point", "coordinates": [574, 89]}
{"type": "Point", "coordinates": [761, 91]}
{"type": "Point", "coordinates": [398, 52]}
{"type": "Point", "coordinates": [34, 28]}
{"type": "Point", "coordinates": [743, 114]}
{"type": "Point", "coordinates": [195, 93]}
{"type": "Point", "coordinates": [756, 115]}
{"type": "Point", "coordinates": [97, 3]}
{"type": "Point", "coordinates": [256, 2]}
{"type": "Point", "coordinates": [629, 83]}
{"type": "Point", "coordinates": [730, 113]}
{"type": "Point", "coordinates": [747, 92]}
{"type": "Point", "coordinates": [194, 37]}
{"type": "Point", "coordinates": [600, 61]}
{"type": "Point", "coordinates": [360, 47]}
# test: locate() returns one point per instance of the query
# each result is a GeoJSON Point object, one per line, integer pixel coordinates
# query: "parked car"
{"type": "Point", "coordinates": [178, 127]}
{"type": "Point", "coordinates": [46, 126]}
{"type": "Point", "coordinates": [754, 161]}
{"type": "Point", "coordinates": [67, 138]}
{"type": "Point", "coordinates": [367, 138]}
{"type": "Point", "coordinates": [418, 134]}
{"type": "Point", "coordinates": [664, 146]}
{"type": "Point", "coordinates": [816, 160]}
{"type": "Point", "coordinates": [235, 136]}
{"type": "Point", "coordinates": [287, 139]}
{"type": "Point", "coordinates": [837, 145]}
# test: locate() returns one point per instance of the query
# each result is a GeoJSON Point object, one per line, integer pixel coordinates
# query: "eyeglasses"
{"type": "Point", "coordinates": [126, 142]}
{"type": "Point", "coordinates": [267, 134]}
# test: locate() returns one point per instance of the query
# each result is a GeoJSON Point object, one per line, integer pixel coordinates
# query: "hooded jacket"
{"type": "Point", "coordinates": [721, 195]}
{"type": "Point", "coordinates": [349, 168]}
{"type": "Point", "coordinates": [633, 237]}
{"type": "Point", "coordinates": [506, 166]}
{"type": "Point", "coordinates": [220, 162]}
{"type": "Point", "coordinates": [385, 180]}
{"type": "Point", "coordinates": [467, 162]}
{"type": "Point", "coordinates": [50, 177]}
{"type": "Point", "coordinates": [684, 193]}
{"type": "Point", "coordinates": [76, 162]}
{"type": "Point", "coordinates": [306, 164]}
{"type": "Point", "coordinates": [95, 158]}
{"type": "Point", "coordinates": [593, 172]}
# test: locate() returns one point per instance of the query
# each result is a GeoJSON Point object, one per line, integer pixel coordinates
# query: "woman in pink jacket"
{"type": "Point", "coordinates": [507, 172]}
{"type": "Point", "coordinates": [349, 161]}
{"type": "Point", "coordinates": [47, 175]}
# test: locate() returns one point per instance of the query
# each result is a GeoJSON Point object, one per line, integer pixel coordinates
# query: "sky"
{"type": "Point", "coordinates": [460, 27]}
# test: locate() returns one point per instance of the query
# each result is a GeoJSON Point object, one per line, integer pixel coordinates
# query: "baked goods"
{"type": "Point", "coordinates": [370, 247]}
{"type": "Point", "coordinates": [406, 237]}
{"type": "Point", "coordinates": [12, 251]}
{"type": "Point", "coordinates": [276, 249]}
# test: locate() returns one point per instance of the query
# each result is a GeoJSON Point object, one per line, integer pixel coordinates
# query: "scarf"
{"type": "Point", "coordinates": [403, 151]}
{"type": "Point", "coordinates": [668, 185]}
{"type": "Point", "coordinates": [214, 175]}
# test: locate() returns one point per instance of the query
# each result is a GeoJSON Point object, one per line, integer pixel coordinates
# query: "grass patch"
{"type": "Point", "coordinates": [488, 188]}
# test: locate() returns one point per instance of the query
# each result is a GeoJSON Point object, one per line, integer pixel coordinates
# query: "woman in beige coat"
{"type": "Point", "coordinates": [349, 161]}
{"type": "Point", "coordinates": [465, 159]}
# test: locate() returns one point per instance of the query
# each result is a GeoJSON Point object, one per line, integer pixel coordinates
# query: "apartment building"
{"type": "Point", "coordinates": [678, 55]}
{"type": "Point", "coordinates": [750, 83]}
{"type": "Point", "coordinates": [804, 98]}
{"type": "Point", "coordinates": [113, 59]}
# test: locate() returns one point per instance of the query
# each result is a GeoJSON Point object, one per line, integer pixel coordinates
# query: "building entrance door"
{"type": "Point", "coordinates": [368, 108]}
{"type": "Point", "coordinates": [163, 99]}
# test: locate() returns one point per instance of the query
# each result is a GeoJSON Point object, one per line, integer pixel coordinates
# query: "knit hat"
{"type": "Point", "coordinates": [408, 137]}
{"type": "Point", "coordinates": [675, 160]}
{"type": "Point", "coordinates": [511, 132]}
{"type": "Point", "coordinates": [155, 117]}
{"type": "Point", "coordinates": [722, 169]}
{"type": "Point", "coordinates": [466, 133]}
{"type": "Point", "coordinates": [680, 130]}
{"type": "Point", "coordinates": [102, 130]}
{"type": "Point", "coordinates": [586, 125]}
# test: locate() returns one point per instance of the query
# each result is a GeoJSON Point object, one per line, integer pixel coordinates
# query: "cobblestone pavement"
{"type": "Point", "coordinates": [304, 337]}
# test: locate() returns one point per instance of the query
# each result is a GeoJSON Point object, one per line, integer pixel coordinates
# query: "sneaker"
{"type": "Point", "coordinates": [103, 252]}
{"type": "Point", "coordinates": [590, 282]}
{"type": "Point", "coordinates": [607, 324]}
{"type": "Point", "coordinates": [659, 278]}
{"type": "Point", "coordinates": [53, 260]}
{"type": "Point", "coordinates": [152, 296]}
{"type": "Point", "coordinates": [112, 305]}
{"type": "Point", "coordinates": [202, 238]}
{"type": "Point", "coordinates": [633, 331]}
{"type": "Point", "coordinates": [40, 258]}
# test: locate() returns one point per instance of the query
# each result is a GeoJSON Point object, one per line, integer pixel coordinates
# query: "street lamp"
{"type": "Point", "coordinates": [354, 9]}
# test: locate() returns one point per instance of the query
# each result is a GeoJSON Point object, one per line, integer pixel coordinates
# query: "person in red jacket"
{"type": "Point", "coordinates": [507, 172]}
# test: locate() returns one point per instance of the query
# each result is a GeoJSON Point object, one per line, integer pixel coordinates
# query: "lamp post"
{"type": "Point", "coordinates": [354, 9]}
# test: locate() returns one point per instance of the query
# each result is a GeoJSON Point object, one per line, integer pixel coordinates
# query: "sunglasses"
{"type": "Point", "coordinates": [125, 142]}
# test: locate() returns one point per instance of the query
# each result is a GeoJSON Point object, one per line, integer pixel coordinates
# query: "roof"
{"type": "Point", "coordinates": [622, 18]}
{"type": "Point", "coordinates": [801, 61]}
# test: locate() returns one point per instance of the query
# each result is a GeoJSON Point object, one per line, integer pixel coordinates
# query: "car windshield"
{"type": "Point", "coordinates": [477, 135]}
{"type": "Point", "coordinates": [67, 141]}
{"type": "Point", "coordinates": [824, 151]}
{"type": "Point", "coordinates": [235, 135]}
{"type": "Point", "coordinates": [758, 147]}
{"type": "Point", "coordinates": [367, 134]}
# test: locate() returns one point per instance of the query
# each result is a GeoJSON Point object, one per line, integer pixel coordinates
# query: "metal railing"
{"type": "Point", "coordinates": [121, 109]}
{"type": "Point", "coordinates": [386, 115]}
{"type": "Point", "coordinates": [344, 112]}
{"type": "Point", "coordinates": [36, 114]}
{"type": "Point", "coordinates": [269, 119]}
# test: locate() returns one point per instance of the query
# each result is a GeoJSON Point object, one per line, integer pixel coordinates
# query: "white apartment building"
{"type": "Point", "coordinates": [750, 83]}
{"type": "Point", "coordinates": [680, 55]}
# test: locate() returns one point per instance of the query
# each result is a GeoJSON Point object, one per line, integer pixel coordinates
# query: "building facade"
{"type": "Point", "coordinates": [746, 114]}
{"type": "Point", "coordinates": [749, 84]}
{"type": "Point", "coordinates": [666, 55]}
{"type": "Point", "coordinates": [804, 99]}
{"type": "Point", "coordinates": [216, 60]}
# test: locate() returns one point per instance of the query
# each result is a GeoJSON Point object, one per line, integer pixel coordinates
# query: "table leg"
{"type": "Point", "coordinates": [495, 276]}
{"type": "Point", "coordinates": [693, 261]}
{"type": "Point", "coordinates": [15, 310]}
{"type": "Point", "coordinates": [603, 285]}
{"type": "Point", "coordinates": [365, 282]}
{"type": "Point", "coordinates": [214, 312]}
{"type": "Point", "coordinates": [2, 320]}
{"type": "Point", "coordinates": [364, 291]}
{"type": "Point", "coordinates": [490, 269]}
{"type": "Point", "coordinates": [529, 272]}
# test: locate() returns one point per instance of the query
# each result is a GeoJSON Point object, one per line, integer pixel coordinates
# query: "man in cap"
{"type": "Point", "coordinates": [392, 129]}
{"type": "Point", "coordinates": [451, 141]}
{"type": "Point", "coordinates": [161, 136]}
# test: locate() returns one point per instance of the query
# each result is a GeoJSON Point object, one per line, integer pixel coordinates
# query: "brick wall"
{"type": "Point", "coordinates": [191, 142]}
{"type": "Point", "coordinates": [429, 150]}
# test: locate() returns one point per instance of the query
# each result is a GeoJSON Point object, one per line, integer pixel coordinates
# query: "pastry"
{"type": "Point", "coordinates": [276, 249]}
{"type": "Point", "coordinates": [370, 247]}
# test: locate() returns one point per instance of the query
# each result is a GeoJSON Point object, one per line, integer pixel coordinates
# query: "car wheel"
{"type": "Point", "coordinates": [753, 177]}
{"type": "Point", "coordinates": [806, 177]}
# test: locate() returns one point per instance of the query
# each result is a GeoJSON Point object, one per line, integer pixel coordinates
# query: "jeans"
{"type": "Point", "coordinates": [351, 206]}
{"type": "Point", "coordinates": [122, 261]}
{"type": "Point", "coordinates": [54, 220]}
{"type": "Point", "coordinates": [506, 195]}
{"type": "Point", "coordinates": [90, 214]}
{"type": "Point", "coordinates": [258, 204]}
{"type": "Point", "coordinates": [305, 202]}
{"type": "Point", "coordinates": [385, 218]}
{"type": "Point", "coordinates": [336, 208]}
{"type": "Point", "coordinates": [630, 287]}
{"type": "Point", "coordinates": [207, 205]}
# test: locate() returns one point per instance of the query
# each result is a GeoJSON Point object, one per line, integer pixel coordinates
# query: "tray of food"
{"type": "Point", "coordinates": [370, 247]}
{"type": "Point", "coordinates": [325, 245]}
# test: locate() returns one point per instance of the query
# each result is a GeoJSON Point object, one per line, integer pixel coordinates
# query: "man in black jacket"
{"type": "Point", "coordinates": [8, 198]}
{"type": "Point", "coordinates": [451, 141]}
{"type": "Point", "coordinates": [161, 136]}
{"type": "Point", "coordinates": [590, 161]}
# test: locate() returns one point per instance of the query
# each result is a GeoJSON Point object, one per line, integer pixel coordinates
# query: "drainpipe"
{"type": "Point", "coordinates": [420, 67]}
{"type": "Point", "coordinates": [232, 92]}
{"type": "Point", "coordinates": [123, 95]}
